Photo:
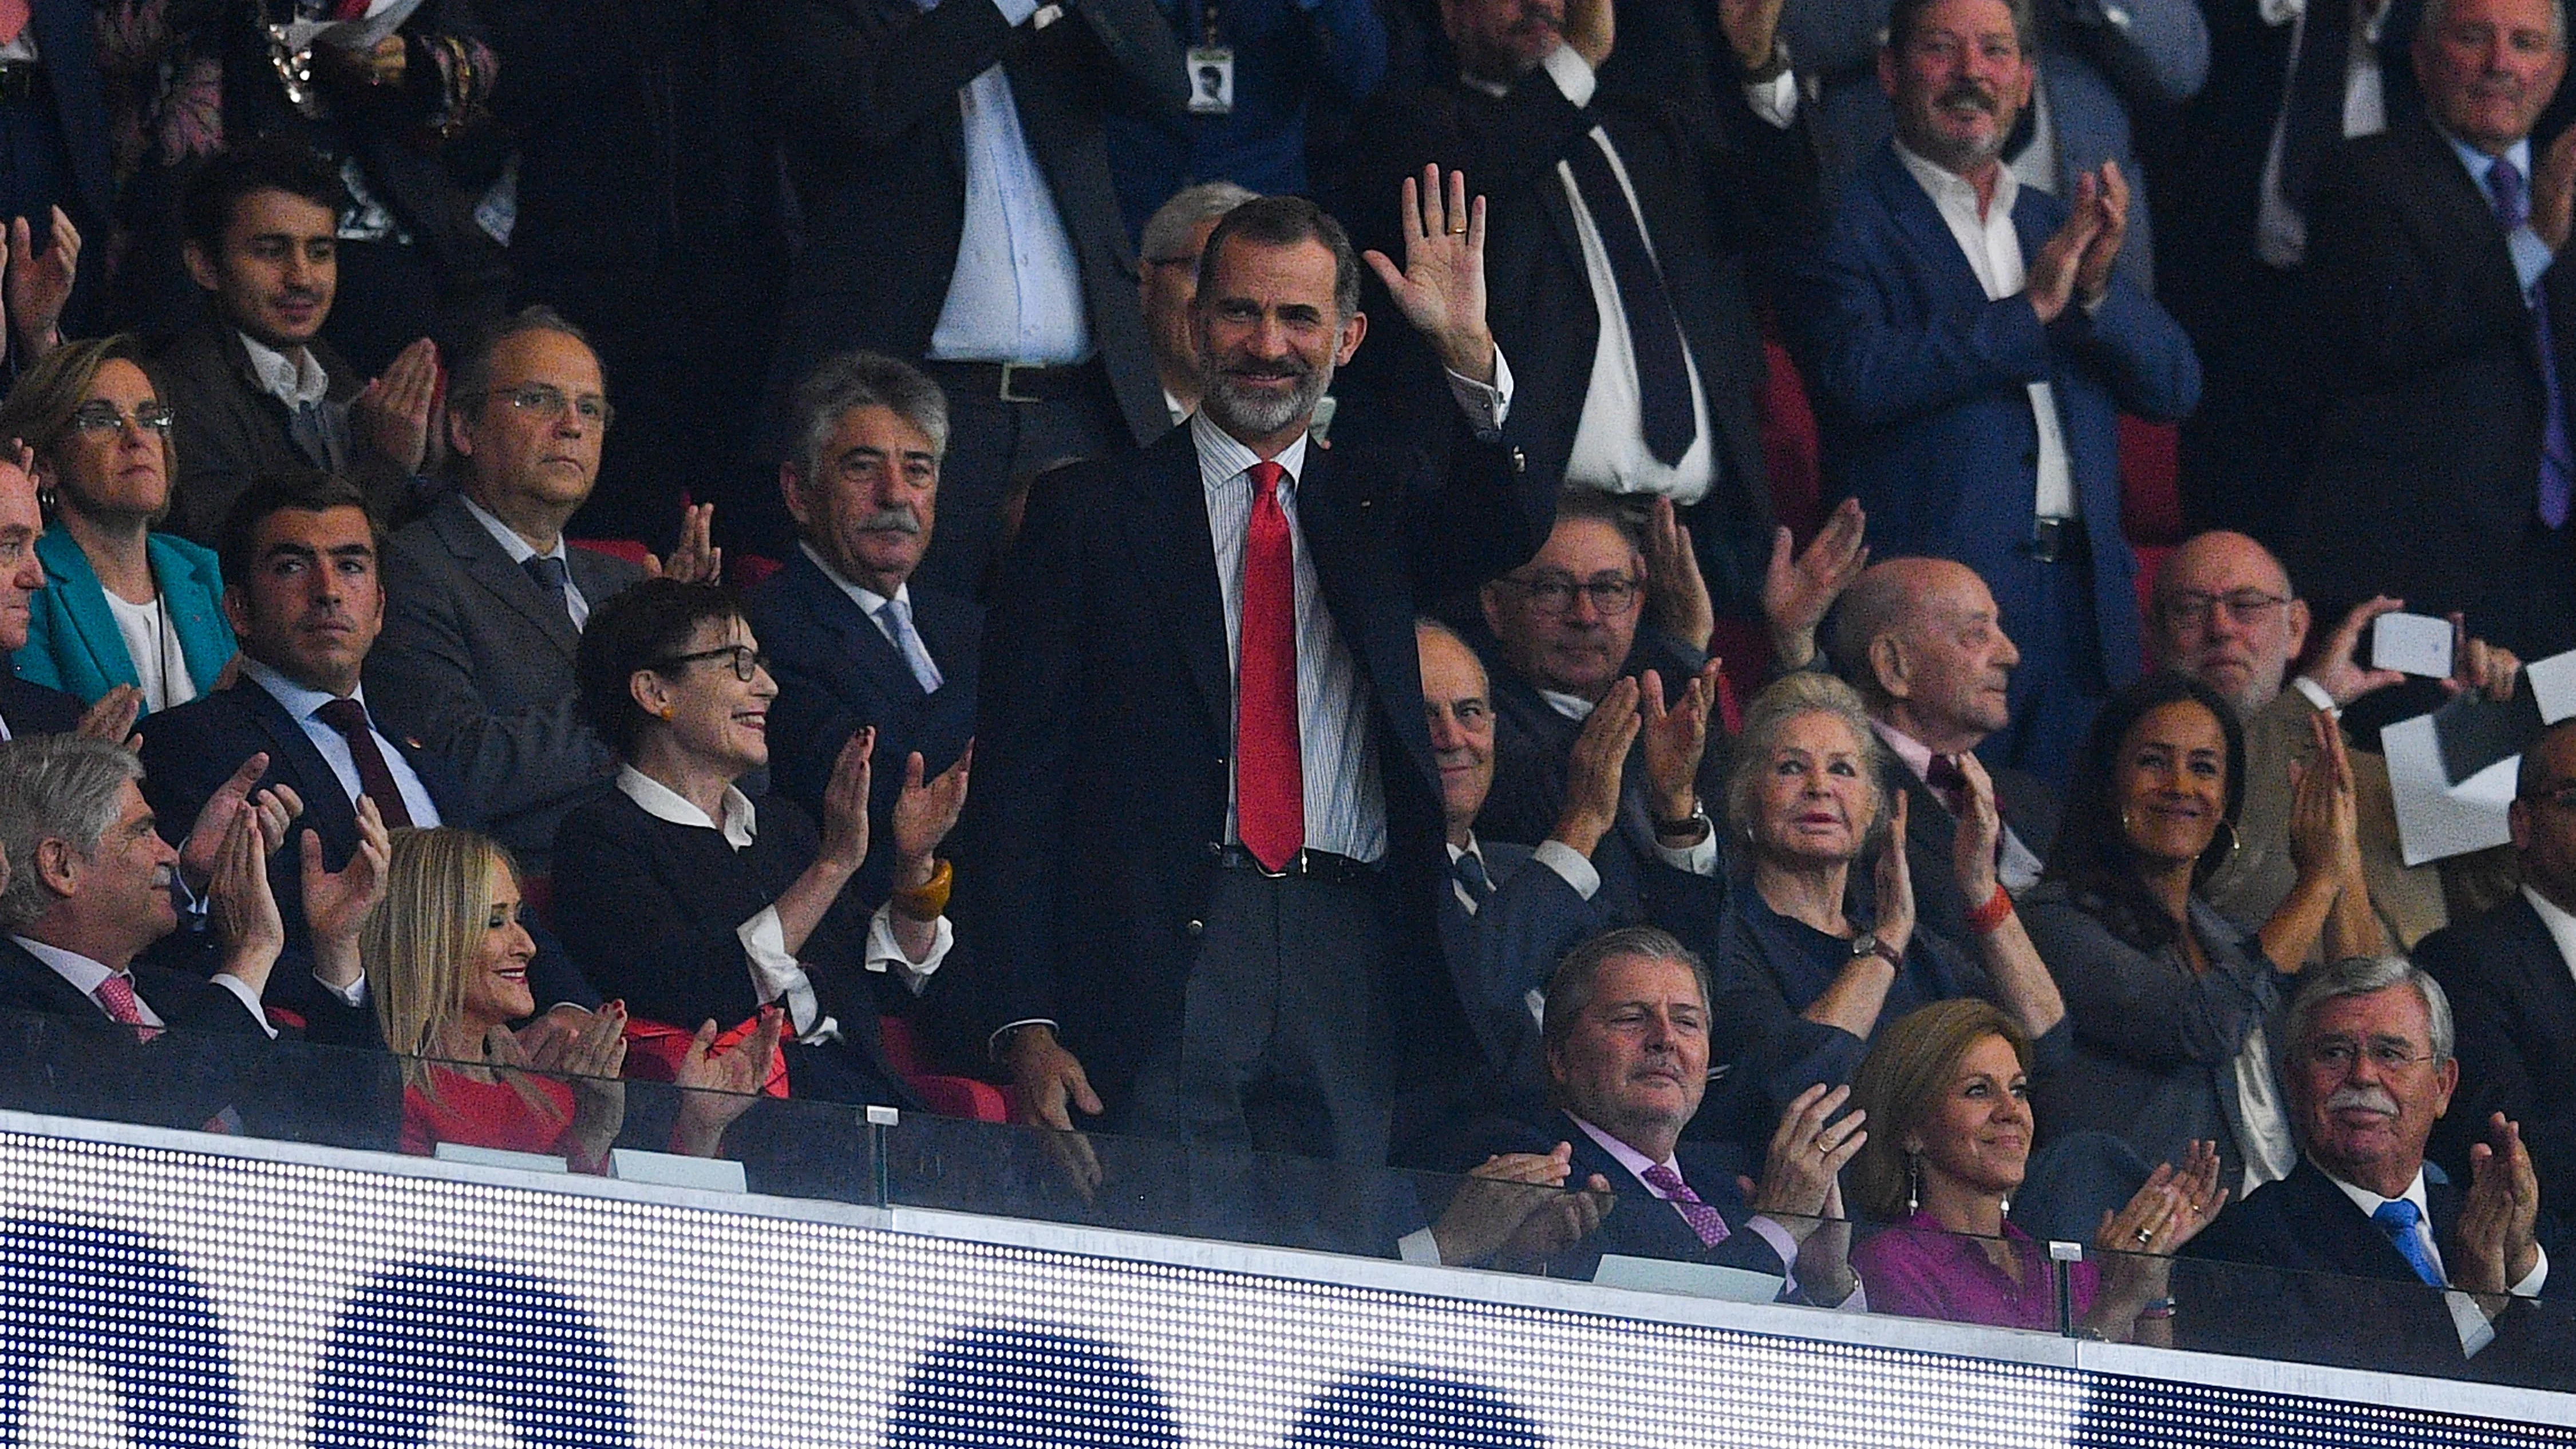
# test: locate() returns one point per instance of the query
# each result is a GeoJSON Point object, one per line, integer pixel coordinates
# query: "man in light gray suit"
{"type": "Point", "coordinates": [485, 603]}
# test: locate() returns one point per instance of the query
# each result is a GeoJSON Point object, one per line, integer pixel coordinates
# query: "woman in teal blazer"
{"type": "Point", "coordinates": [122, 606]}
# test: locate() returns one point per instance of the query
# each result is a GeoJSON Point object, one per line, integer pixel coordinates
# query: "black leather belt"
{"type": "Point", "coordinates": [2059, 540]}
{"type": "Point", "coordinates": [1320, 865]}
{"type": "Point", "coordinates": [1018, 382]}
{"type": "Point", "coordinates": [23, 80]}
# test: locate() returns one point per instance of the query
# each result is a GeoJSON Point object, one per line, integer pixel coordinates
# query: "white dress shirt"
{"type": "Point", "coordinates": [86, 976]}
{"type": "Point", "coordinates": [293, 381]}
{"type": "Point", "coordinates": [2467, 1318]}
{"type": "Point", "coordinates": [1993, 250]}
{"type": "Point", "coordinates": [775, 972]}
{"type": "Point", "coordinates": [520, 552]}
{"type": "Point", "coordinates": [1015, 294]}
{"type": "Point", "coordinates": [304, 706]}
{"type": "Point", "coordinates": [2280, 230]}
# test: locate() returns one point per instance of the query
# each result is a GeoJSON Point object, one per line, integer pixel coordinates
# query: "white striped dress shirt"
{"type": "Point", "coordinates": [1345, 796]}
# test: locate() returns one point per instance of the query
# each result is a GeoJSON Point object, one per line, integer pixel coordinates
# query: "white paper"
{"type": "Point", "coordinates": [1698, 1280]}
{"type": "Point", "coordinates": [383, 18]}
{"type": "Point", "coordinates": [2435, 818]}
{"type": "Point", "coordinates": [2412, 644]}
{"type": "Point", "coordinates": [2553, 685]}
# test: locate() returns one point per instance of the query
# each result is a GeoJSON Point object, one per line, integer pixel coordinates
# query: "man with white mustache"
{"type": "Point", "coordinates": [2368, 1070]}
{"type": "Point", "coordinates": [1972, 409]}
{"type": "Point", "coordinates": [853, 642]}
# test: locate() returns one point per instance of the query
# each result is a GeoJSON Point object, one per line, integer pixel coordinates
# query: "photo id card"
{"type": "Point", "coordinates": [1211, 80]}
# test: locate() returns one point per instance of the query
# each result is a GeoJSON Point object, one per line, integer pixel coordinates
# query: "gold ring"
{"type": "Point", "coordinates": [1457, 231]}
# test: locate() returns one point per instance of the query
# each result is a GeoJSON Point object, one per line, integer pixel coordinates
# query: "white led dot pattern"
{"type": "Point", "coordinates": [166, 1299]}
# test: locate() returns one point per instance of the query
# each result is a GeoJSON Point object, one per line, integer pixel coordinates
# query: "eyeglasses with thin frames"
{"type": "Point", "coordinates": [1611, 594]}
{"type": "Point", "coordinates": [550, 403]}
{"type": "Point", "coordinates": [746, 660]}
{"type": "Point", "coordinates": [98, 415]}
{"type": "Point", "coordinates": [2192, 609]}
{"type": "Point", "coordinates": [2336, 1054]}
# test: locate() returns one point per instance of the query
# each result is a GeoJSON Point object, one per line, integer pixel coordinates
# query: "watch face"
{"type": "Point", "coordinates": [1864, 944]}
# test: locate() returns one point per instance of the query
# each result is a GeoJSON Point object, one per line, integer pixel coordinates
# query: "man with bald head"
{"type": "Point", "coordinates": [1924, 643]}
{"type": "Point", "coordinates": [2224, 613]}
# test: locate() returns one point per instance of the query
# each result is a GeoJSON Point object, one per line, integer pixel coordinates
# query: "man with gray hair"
{"type": "Point", "coordinates": [91, 885]}
{"type": "Point", "coordinates": [1168, 257]}
{"type": "Point", "coordinates": [852, 642]}
{"type": "Point", "coordinates": [486, 602]}
{"type": "Point", "coordinates": [2368, 1069]}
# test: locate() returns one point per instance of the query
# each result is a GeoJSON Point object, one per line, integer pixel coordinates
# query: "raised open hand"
{"type": "Point", "coordinates": [1441, 286]}
{"type": "Point", "coordinates": [1798, 589]}
{"type": "Point", "coordinates": [40, 284]}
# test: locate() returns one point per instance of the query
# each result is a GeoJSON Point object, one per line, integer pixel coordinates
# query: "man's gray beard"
{"type": "Point", "coordinates": [1252, 415]}
{"type": "Point", "coordinates": [1961, 157]}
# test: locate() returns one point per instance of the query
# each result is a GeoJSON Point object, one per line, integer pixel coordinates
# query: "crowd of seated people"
{"type": "Point", "coordinates": [1407, 725]}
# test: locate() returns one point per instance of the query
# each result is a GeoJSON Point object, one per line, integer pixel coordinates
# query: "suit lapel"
{"type": "Point", "coordinates": [72, 581]}
{"type": "Point", "coordinates": [1914, 214]}
{"type": "Point", "coordinates": [293, 758]}
{"type": "Point", "coordinates": [1176, 561]}
{"type": "Point", "coordinates": [40, 983]}
{"type": "Point", "coordinates": [480, 556]}
{"type": "Point", "coordinates": [2348, 1240]}
{"type": "Point", "coordinates": [1339, 522]}
{"type": "Point", "coordinates": [860, 639]}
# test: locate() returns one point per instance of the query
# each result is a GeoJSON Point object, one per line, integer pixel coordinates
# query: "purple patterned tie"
{"type": "Point", "coordinates": [1703, 1219]}
{"type": "Point", "coordinates": [2557, 460]}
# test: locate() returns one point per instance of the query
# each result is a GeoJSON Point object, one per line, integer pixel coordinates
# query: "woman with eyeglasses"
{"type": "Point", "coordinates": [689, 901]}
{"type": "Point", "coordinates": [123, 607]}
{"type": "Point", "coordinates": [2173, 1007]}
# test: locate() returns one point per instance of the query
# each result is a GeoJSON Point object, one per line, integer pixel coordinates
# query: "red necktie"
{"type": "Point", "coordinates": [1269, 779]}
{"type": "Point", "coordinates": [116, 994]}
{"type": "Point", "coordinates": [13, 19]}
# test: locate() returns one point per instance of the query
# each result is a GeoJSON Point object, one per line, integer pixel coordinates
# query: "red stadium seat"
{"type": "Point", "coordinates": [654, 1051]}
{"type": "Point", "coordinates": [1789, 448]}
{"type": "Point", "coordinates": [750, 570]}
{"type": "Point", "coordinates": [629, 549]}
{"type": "Point", "coordinates": [537, 895]}
{"type": "Point", "coordinates": [2150, 493]}
{"type": "Point", "coordinates": [946, 1095]}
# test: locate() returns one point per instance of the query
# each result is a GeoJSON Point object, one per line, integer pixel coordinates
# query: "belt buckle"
{"type": "Point", "coordinates": [1009, 370]}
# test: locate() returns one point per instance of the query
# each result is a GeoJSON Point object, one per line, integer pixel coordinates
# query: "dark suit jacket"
{"type": "Point", "coordinates": [2429, 451]}
{"type": "Point", "coordinates": [837, 671]}
{"type": "Point", "coordinates": [1506, 950]}
{"type": "Point", "coordinates": [2028, 807]}
{"type": "Point", "coordinates": [1105, 734]}
{"type": "Point", "coordinates": [69, 1056]}
{"type": "Point", "coordinates": [2513, 1007]}
{"type": "Point", "coordinates": [1920, 390]}
{"type": "Point", "coordinates": [66, 35]}
{"type": "Point", "coordinates": [2326, 1297]}
{"type": "Point", "coordinates": [477, 663]}
{"type": "Point", "coordinates": [190, 751]}
{"type": "Point", "coordinates": [33, 709]}
{"type": "Point", "coordinates": [1640, 1225]}
{"type": "Point", "coordinates": [1715, 189]}
{"type": "Point", "coordinates": [865, 93]}
{"type": "Point", "coordinates": [230, 431]}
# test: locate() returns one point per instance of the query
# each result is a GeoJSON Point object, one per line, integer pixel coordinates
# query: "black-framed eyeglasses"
{"type": "Point", "coordinates": [550, 403]}
{"type": "Point", "coordinates": [2336, 1054]}
{"type": "Point", "coordinates": [1611, 594]}
{"type": "Point", "coordinates": [747, 661]}
{"type": "Point", "coordinates": [2191, 608]}
{"type": "Point", "coordinates": [98, 415]}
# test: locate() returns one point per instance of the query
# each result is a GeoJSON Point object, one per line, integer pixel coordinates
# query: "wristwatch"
{"type": "Point", "coordinates": [1868, 944]}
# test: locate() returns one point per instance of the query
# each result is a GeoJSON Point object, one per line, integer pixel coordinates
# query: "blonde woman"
{"type": "Point", "coordinates": [446, 963]}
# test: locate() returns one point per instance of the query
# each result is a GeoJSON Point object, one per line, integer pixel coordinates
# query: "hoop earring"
{"type": "Point", "coordinates": [2235, 842]}
{"type": "Point", "coordinates": [1913, 1183]}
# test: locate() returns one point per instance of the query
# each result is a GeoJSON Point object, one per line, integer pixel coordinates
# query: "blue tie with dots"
{"type": "Point", "coordinates": [2397, 1218]}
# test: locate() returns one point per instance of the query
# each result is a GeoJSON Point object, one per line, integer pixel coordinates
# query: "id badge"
{"type": "Point", "coordinates": [1211, 70]}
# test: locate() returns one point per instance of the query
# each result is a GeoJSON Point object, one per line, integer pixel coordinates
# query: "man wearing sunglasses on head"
{"type": "Point", "coordinates": [486, 602]}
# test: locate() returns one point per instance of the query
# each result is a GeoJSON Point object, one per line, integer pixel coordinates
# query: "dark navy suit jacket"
{"type": "Point", "coordinates": [36, 709]}
{"type": "Point", "coordinates": [190, 751]}
{"type": "Point", "coordinates": [1920, 385]}
{"type": "Point", "coordinates": [2513, 1004]}
{"type": "Point", "coordinates": [837, 671]}
{"type": "Point", "coordinates": [1639, 1224]}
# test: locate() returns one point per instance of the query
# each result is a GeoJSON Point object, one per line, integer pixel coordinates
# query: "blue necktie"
{"type": "Point", "coordinates": [1469, 871]}
{"type": "Point", "coordinates": [2397, 1218]}
{"type": "Point", "coordinates": [2557, 460]}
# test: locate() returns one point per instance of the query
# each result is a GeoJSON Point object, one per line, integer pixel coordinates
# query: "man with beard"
{"type": "Point", "coordinates": [1207, 833]}
{"type": "Point", "coordinates": [485, 602]}
{"type": "Point", "coordinates": [852, 642]}
{"type": "Point", "coordinates": [2368, 1071]}
{"type": "Point", "coordinates": [1972, 409]}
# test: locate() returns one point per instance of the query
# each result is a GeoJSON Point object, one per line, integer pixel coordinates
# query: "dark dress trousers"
{"type": "Point", "coordinates": [651, 908]}
{"type": "Point", "coordinates": [2428, 453]}
{"type": "Point", "coordinates": [2513, 1007]}
{"type": "Point", "coordinates": [1105, 741]}
{"type": "Point", "coordinates": [2298, 1271]}
{"type": "Point", "coordinates": [190, 751]}
{"type": "Point", "coordinates": [837, 672]}
{"type": "Point", "coordinates": [476, 662]}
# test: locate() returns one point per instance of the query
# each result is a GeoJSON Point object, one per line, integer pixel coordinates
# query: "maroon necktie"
{"type": "Point", "coordinates": [1949, 782]}
{"type": "Point", "coordinates": [1269, 777]}
{"type": "Point", "coordinates": [350, 718]}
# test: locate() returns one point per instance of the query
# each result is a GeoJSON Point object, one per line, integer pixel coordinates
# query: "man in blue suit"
{"type": "Point", "coordinates": [1969, 345]}
{"type": "Point", "coordinates": [301, 588]}
{"type": "Point", "coordinates": [851, 641]}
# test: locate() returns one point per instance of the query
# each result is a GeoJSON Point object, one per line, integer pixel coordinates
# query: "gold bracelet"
{"type": "Point", "coordinates": [927, 901]}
